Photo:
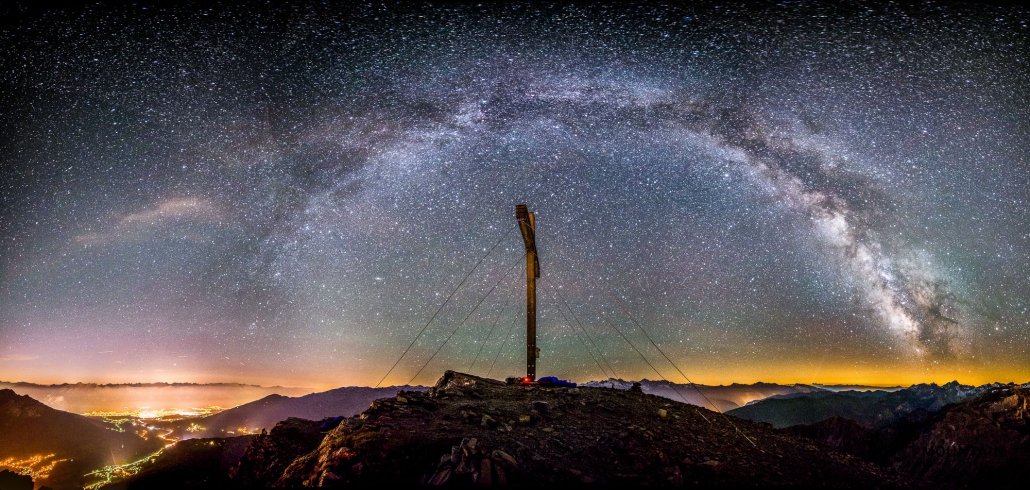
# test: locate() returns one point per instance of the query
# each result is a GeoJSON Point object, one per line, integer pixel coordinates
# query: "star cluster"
{"type": "Point", "coordinates": [793, 192]}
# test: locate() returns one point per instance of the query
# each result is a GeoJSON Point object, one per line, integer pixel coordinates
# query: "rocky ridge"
{"type": "Point", "coordinates": [983, 442]}
{"type": "Point", "coordinates": [980, 442]}
{"type": "Point", "coordinates": [469, 429]}
{"type": "Point", "coordinates": [266, 458]}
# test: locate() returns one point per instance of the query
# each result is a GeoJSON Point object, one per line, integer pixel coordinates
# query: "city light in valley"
{"type": "Point", "coordinates": [38, 466]}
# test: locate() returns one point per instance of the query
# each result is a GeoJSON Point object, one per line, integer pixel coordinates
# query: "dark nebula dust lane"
{"type": "Point", "coordinates": [806, 192]}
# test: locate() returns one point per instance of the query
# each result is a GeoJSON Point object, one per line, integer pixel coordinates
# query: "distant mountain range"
{"type": "Point", "coordinates": [720, 398]}
{"type": "Point", "coordinates": [867, 408]}
{"type": "Point", "coordinates": [135, 397]}
{"type": "Point", "coordinates": [266, 412]}
{"type": "Point", "coordinates": [29, 428]}
{"type": "Point", "coordinates": [857, 387]}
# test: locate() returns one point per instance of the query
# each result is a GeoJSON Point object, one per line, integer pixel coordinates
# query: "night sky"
{"type": "Point", "coordinates": [802, 192]}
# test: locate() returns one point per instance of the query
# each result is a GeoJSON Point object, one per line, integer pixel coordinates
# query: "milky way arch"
{"type": "Point", "coordinates": [274, 190]}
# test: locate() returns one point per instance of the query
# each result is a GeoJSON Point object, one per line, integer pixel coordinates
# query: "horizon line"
{"type": "Point", "coordinates": [221, 383]}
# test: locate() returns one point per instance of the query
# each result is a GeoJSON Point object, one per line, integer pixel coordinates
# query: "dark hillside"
{"type": "Point", "coordinates": [195, 463]}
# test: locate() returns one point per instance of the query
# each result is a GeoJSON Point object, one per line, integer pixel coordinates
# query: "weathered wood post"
{"type": "Point", "coordinates": [527, 224]}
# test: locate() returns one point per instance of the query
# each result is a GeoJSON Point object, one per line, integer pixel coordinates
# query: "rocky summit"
{"type": "Point", "coordinates": [983, 442]}
{"type": "Point", "coordinates": [473, 430]}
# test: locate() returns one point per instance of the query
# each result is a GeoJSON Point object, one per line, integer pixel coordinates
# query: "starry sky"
{"type": "Point", "coordinates": [783, 192]}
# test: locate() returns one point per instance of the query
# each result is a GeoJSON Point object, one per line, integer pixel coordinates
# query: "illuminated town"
{"type": "Point", "coordinates": [38, 466]}
{"type": "Point", "coordinates": [114, 473]}
{"type": "Point", "coordinates": [144, 420]}
{"type": "Point", "coordinates": [164, 414]}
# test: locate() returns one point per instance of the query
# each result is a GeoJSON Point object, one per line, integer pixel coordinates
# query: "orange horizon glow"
{"type": "Point", "coordinates": [880, 376]}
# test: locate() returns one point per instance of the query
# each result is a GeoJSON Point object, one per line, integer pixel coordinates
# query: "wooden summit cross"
{"type": "Point", "coordinates": [527, 224]}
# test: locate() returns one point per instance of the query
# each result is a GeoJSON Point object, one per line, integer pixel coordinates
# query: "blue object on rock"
{"type": "Point", "coordinates": [330, 424]}
{"type": "Point", "coordinates": [553, 381]}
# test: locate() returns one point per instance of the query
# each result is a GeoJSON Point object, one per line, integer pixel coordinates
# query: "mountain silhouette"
{"type": "Point", "coordinates": [266, 412]}
{"type": "Point", "coordinates": [720, 398]}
